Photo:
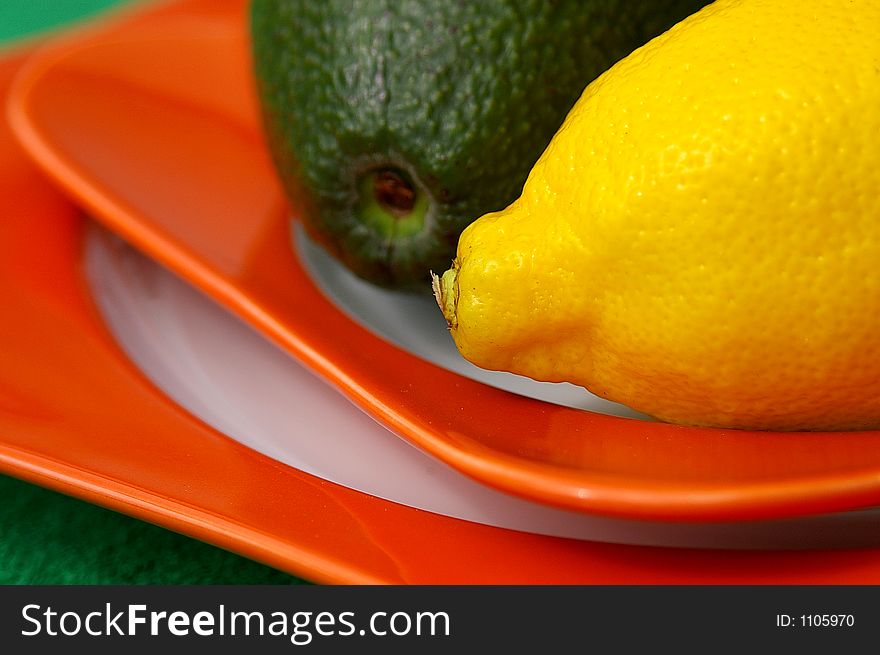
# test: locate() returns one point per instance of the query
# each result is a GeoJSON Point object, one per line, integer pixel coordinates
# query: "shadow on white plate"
{"type": "Point", "coordinates": [413, 322]}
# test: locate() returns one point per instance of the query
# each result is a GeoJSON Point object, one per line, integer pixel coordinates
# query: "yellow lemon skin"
{"type": "Point", "coordinates": [701, 239]}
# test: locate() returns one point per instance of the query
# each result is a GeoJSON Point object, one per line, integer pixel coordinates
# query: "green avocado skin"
{"type": "Point", "coordinates": [461, 96]}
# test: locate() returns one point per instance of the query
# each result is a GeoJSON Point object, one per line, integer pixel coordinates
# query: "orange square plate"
{"type": "Point", "coordinates": [152, 125]}
{"type": "Point", "coordinates": [77, 416]}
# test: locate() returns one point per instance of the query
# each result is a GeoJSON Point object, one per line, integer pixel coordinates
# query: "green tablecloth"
{"type": "Point", "coordinates": [47, 538]}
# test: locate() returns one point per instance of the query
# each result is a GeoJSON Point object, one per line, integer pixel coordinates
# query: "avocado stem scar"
{"type": "Point", "coordinates": [393, 193]}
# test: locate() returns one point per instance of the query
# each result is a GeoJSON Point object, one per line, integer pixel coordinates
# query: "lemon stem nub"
{"type": "Point", "coordinates": [445, 294]}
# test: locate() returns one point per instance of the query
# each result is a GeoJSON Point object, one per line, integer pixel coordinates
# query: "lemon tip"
{"type": "Point", "coordinates": [444, 294]}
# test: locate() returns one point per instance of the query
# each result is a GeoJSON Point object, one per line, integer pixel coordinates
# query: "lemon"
{"type": "Point", "coordinates": [701, 239]}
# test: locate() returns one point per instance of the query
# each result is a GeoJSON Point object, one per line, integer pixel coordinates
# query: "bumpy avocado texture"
{"type": "Point", "coordinates": [395, 123]}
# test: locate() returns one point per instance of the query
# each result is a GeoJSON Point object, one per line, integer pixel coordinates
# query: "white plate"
{"type": "Point", "coordinates": [230, 377]}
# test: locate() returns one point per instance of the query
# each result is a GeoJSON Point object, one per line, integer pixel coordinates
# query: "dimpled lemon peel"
{"type": "Point", "coordinates": [701, 239]}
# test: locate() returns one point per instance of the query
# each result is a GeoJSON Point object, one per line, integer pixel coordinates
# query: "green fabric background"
{"type": "Point", "coordinates": [48, 538]}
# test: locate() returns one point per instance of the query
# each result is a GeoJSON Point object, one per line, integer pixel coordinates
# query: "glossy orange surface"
{"type": "Point", "coordinates": [152, 125]}
{"type": "Point", "coordinates": [78, 417]}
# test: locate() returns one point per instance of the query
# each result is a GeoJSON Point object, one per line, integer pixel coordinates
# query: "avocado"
{"type": "Point", "coordinates": [395, 123]}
